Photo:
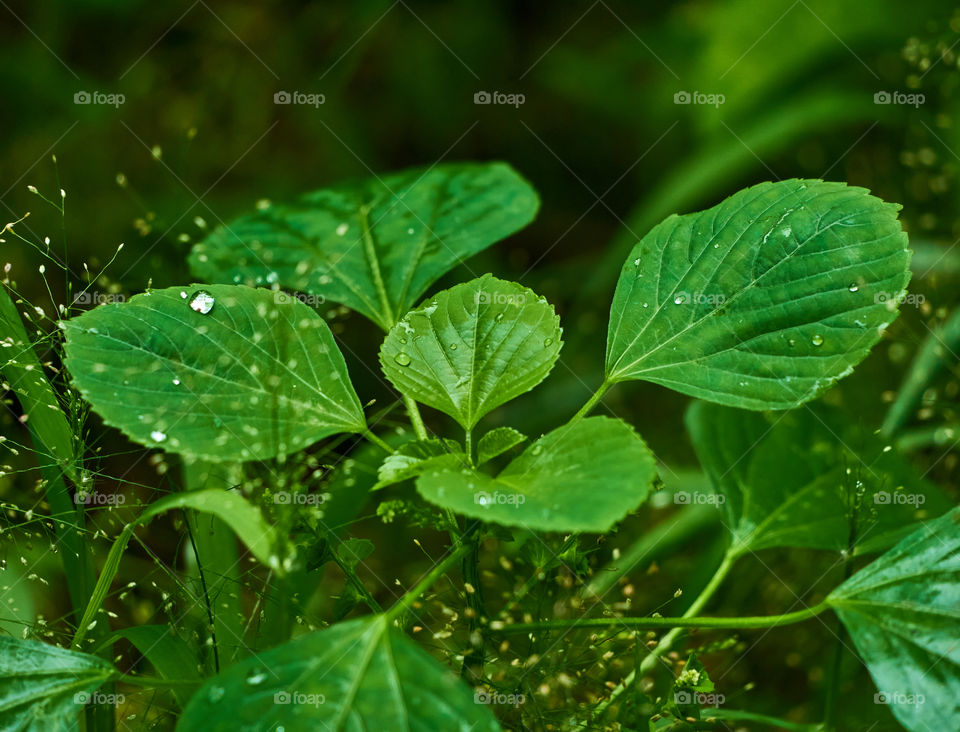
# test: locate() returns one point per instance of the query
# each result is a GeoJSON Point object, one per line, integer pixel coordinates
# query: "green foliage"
{"type": "Point", "coordinates": [797, 480]}
{"type": "Point", "coordinates": [496, 442]}
{"type": "Point", "coordinates": [473, 347]}
{"type": "Point", "coordinates": [374, 245]}
{"type": "Point", "coordinates": [902, 612]}
{"type": "Point", "coordinates": [581, 477]}
{"type": "Point", "coordinates": [42, 688]}
{"type": "Point", "coordinates": [220, 372]}
{"type": "Point", "coordinates": [360, 674]}
{"type": "Point", "coordinates": [763, 301]}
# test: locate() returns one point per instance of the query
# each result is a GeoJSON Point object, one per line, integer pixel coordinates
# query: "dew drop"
{"type": "Point", "coordinates": [202, 302]}
{"type": "Point", "coordinates": [215, 694]}
{"type": "Point", "coordinates": [453, 346]}
{"type": "Point", "coordinates": [402, 359]}
{"type": "Point", "coordinates": [537, 449]}
{"type": "Point", "coordinates": [256, 676]}
{"type": "Point", "coordinates": [342, 229]}
{"type": "Point", "coordinates": [158, 436]}
{"type": "Point", "coordinates": [176, 382]}
{"type": "Point", "coordinates": [817, 340]}
{"type": "Point", "coordinates": [547, 342]}
{"type": "Point", "coordinates": [853, 287]}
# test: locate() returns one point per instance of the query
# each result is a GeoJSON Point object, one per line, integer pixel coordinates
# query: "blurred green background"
{"type": "Point", "coordinates": [199, 139]}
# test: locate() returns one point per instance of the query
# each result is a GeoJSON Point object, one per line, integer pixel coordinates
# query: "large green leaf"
{"type": "Point", "coordinates": [903, 611]}
{"type": "Point", "coordinates": [357, 675]}
{"type": "Point", "coordinates": [374, 245]}
{"type": "Point", "coordinates": [473, 347]}
{"type": "Point", "coordinates": [257, 375]}
{"type": "Point", "coordinates": [44, 688]}
{"type": "Point", "coordinates": [763, 301]}
{"type": "Point", "coordinates": [790, 479]}
{"type": "Point", "coordinates": [580, 477]}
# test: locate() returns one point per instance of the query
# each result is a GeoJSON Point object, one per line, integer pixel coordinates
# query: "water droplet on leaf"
{"type": "Point", "coordinates": [202, 302]}
{"type": "Point", "coordinates": [402, 359]}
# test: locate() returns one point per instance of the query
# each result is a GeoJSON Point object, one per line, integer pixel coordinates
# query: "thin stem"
{"type": "Point", "coordinates": [378, 441]}
{"type": "Point", "coordinates": [591, 402]}
{"type": "Point", "coordinates": [423, 585]}
{"type": "Point", "coordinates": [468, 444]}
{"type": "Point", "coordinates": [419, 428]}
{"type": "Point", "coordinates": [206, 595]}
{"type": "Point", "coordinates": [748, 622]}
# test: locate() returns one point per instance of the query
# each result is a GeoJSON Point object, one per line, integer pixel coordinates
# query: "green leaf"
{"type": "Point", "coordinates": [790, 479]}
{"type": "Point", "coordinates": [352, 551]}
{"type": "Point", "coordinates": [245, 519]}
{"type": "Point", "coordinates": [257, 376]}
{"type": "Point", "coordinates": [763, 301]}
{"type": "Point", "coordinates": [374, 245]}
{"type": "Point", "coordinates": [44, 688]}
{"type": "Point", "coordinates": [168, 653]}
{"type": "Point", "coordinates": [473, 347]}
{"type": "Point", "coordinates": [902, 612]}
{"type": "Point", "coordinates": [496, 442]}
{"type": "Point", "coordinates": [359, 674]}
{"type": "Point", "coordinates": [580, 477]}
{"type": "Point", "coordinates": [416, 456]}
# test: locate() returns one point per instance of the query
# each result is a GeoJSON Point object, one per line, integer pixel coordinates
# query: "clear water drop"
{"type": "Point", "coordinates": [402, 359]}
{"type": "Point", "coordinates": [342, 229]}
{"type": "Point", "coordinates": [547, 342]}
{"type": "Point", "coordinates": [817, 340]}
{"type": "Point", "coordinates": [158, 436]}
{"type": "Point", "coordinates": [202, 302]}
{"type": "Point", "coordinates": [176, 382]}
{"type": "Point", "coordinates": [215, 694]}
{"type": "Point", "coordinates": [853, 287]}
{"type": "Point", "coordinates": [256, 676]}
{"type": "Point", "coordinates": [453, 346]}
{"type": "Point", "coordinates": [537, 449]}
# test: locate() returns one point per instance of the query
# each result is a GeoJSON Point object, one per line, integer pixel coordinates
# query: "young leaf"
{"type": "Point", "coordinates": [789, 480]}
{"type": "Point", "coordinates": [416, 456]}
{"type": "Point", "coordinates": [359, 674]}
{"type": "Point", "coordinates": [221, 372]}
{"type": "Point", "coordinates": [43, 687]}
{"type": "Point", "coordinates": [374, 245]}
{"type": "Point", "coordinates": [496, 442]}
{"type": "Point", "coordinates": [231, 508]}
{"type": "Point", "coordinates": [902, 612]}
{"type": "Point", "coordinates": [473, 347]}
{"type": "Point", "coordinates": [763, 301]}
{"type": "Point", "coordinates": [580, 477]}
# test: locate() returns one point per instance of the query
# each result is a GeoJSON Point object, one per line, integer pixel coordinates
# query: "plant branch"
{"type": "Point", "coordinates": [439, 569]}
{"type": "Point", "coordinates": [591, 402]}
{"type": "Point", "coordinates": [419, 428]}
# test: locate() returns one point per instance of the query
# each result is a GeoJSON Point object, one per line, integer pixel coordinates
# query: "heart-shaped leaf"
{"type": "Point", "coordinates": [763, 301]}
{"type": "Point", "coordinates": [45, 688]}
{"type": "Point", "coordinates": [794, 480]}
{"type": "Point", "coordinates": [580, 477]}
{"type": "Point", "coordinates": [359, 674]}
{"type": "Point", "coordinates": [902, 612]}
{"type": "Point", "coordinates": [223, 372]}
{"type": "Point", "coordinates": [473, 347]}
{"type": "Point", "coordinates": [375, 245]}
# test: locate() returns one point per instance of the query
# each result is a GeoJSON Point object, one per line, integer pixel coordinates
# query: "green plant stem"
{"type": "Point", "coordinates": [734, 623]}
{"type": "Point", "coordinates": [419, 428]}
{"type": "Point", "coordinates": [439, 569]}
{"type": "Point", "coordinates": [468, 444]}
{"type": "Point", "coordinates": [666, 643]}
{"type": "Point", "coordinates": [591, 402]}
{"type": "Point", "coordinates": [378, 441]}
